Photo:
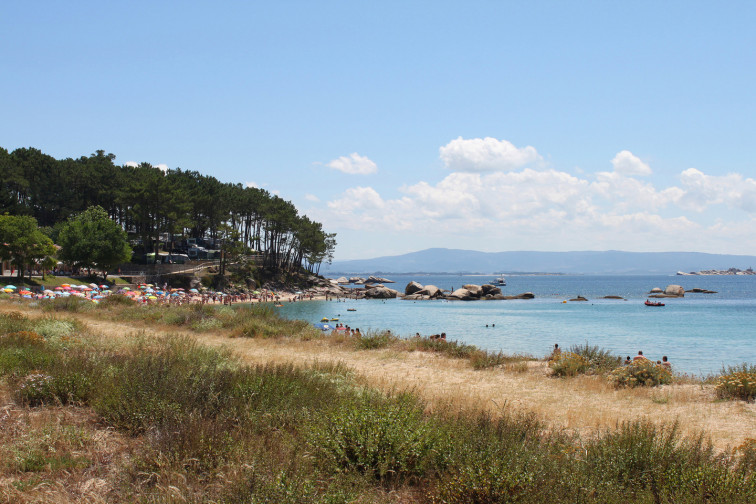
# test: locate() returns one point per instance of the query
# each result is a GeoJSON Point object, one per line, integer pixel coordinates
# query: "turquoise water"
{"type": "Point", "coordinates": [699, 333]}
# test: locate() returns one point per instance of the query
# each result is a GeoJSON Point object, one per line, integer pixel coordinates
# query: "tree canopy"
{"type": "Point", "coordinates": [92, 239]}
{"type": "Point", "coordinates": [22, 242]}
{"type": "Point", "coordinates": [148, 203]}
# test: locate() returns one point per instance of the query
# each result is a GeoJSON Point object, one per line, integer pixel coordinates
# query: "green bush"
{"type": "Point", "coordinates": [599, 359]}
{"type": "Point", "coordinates": [373, 340]}
{"type": "Point", "coordinates": [569, 364]}
{"type": "Point", "coordinates": [383, 439]}
{"type": "Point", "coordinates": [640, 373]}
{"type": "Point", "coordinates": [737, 382]}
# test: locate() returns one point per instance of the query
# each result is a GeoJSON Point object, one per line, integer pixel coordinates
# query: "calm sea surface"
{"type": "Point", "coordinates": [699, 333]}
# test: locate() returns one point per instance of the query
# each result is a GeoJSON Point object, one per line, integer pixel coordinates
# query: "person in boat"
{"type": "Point", "coordinates": [640, 356]}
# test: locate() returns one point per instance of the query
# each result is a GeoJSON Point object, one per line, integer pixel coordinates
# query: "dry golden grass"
{"type": "Point", "coordinates": [584, 404]}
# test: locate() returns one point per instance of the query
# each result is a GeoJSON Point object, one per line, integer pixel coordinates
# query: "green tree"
{"type": "Point", "coordinates": [22, 242]}
{"type": "Point", "coordinates": [92, 240]}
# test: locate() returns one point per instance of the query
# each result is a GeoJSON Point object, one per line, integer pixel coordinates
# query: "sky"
{"type": "Point", "coordinates": [400, 126]}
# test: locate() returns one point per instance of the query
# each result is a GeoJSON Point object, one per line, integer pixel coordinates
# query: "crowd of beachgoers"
{"type": "Point", "coordinates": [148, 293]}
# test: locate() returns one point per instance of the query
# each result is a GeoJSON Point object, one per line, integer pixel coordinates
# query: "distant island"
{"type": "Point", "coordinates": [730, 271]}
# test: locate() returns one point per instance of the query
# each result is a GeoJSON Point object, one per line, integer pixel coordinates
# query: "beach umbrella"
{"type": "Point", "coordinates": [193, 290]}
{"type": "Point", "coordinates": [323, 327]}
{"type": "Point", "coordinates": [97, 297]}
{"type": "Point", "coordinates": [125, 289]}
{"type": "Point", "coordinates": [93, 285]}
{"type": "Point", "coordinates": [11, 287]}
{"type": "Point", "coordinates": [27, 296]}
{"type": "Point", "coordinates": [22, 292]}
{"type": "Point", "coordinates": [104, 286]}
{"type": "Point", "coordinates": [65, 285]}
{"type": "Point", "coordinates": [151, 297]}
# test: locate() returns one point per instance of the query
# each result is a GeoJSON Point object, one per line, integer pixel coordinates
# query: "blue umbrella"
{"type": "Point", "coordinates": [10, 287]}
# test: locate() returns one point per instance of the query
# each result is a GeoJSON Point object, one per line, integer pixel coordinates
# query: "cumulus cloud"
{"type": "Point", "coordinates": [485, 155]}
{"type": "Point", "coordinates": [132, 164]}
{"type": "Point", "coordinates": [162, 166]}
{"type": "Point", "coordinates": [628, 164]}
{"type": "Point", "coordinates": [251, 184]}
{"type": "Point", "coordinates": [353, 164]}
{"type": "Point", "coordinates": [700, 191]}
{"type": "Point", "coordinates": [312, 198]}
{"type": "Point", "coordinates": [554, 210]}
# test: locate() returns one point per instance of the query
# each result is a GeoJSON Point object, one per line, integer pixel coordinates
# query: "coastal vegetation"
{"type": "Point", "coordinates": [159, 207]}
{"type": "Point", "coordinates": [153, 416]}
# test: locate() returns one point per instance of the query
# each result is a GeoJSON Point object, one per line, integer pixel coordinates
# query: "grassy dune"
{"type": "Point", "coordinates": [122, 403]}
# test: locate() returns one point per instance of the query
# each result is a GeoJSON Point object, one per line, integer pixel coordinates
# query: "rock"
{"type": "Point", "coordinates": [674, 290]}
{"type": "Point", "coordinates": [381, 293]}
{"type": "Point", "coordinates": [474, 290]}
{"type": "Point", "coordinates": [412, 288]}
{"type": "Point", "coordinates": [430, 290]}
{"type": "Point", "coordinates": [579, 298]}
{"type": "Point", "coordinates": [357, 280]}
{"type": "Point", "coordinates": [490, 289]}
{"type": "Point", "coordinates": [612, 297]}
{"type": "Point", "coordinates": [524, 295]}
{"type": "Point", "coordinates": [342, 281]}
{"type": "Point", "coordinates": [462, 294]}
{"type": "Point", "coordinates": [375, 279]}
{"type": "Point", "coordinates": [702, 291]}
{"type": "Point", "coordinates": [655, 290]}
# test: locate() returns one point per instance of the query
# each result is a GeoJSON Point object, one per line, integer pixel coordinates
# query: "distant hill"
{"type": "Point", "coordinates": [441, 260]}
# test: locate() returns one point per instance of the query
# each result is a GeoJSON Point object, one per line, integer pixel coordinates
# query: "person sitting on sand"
{"type": "Point", "coordinates": [640, 356]}
{"type": "Point", "coordinates": [443, 336]}
{"type": "Point", "coordinates": [628, 361]}
{"type": "Point", "coordinates": [666, 363]}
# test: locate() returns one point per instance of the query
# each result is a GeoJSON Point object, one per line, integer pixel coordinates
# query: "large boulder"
{"type": "Point", "coordinates": [474, 290]}
{"type": "Point", "coordinates": [490, 289]}
{"type": "Point", "coordinates": [356, 280]}
{"type": "Point", "coordinates": [674, 290]}
{"type": "Point", "coordinates": [461, 294]}
{"type": "Point", "coordinates": [412, 288]}
{"type": "Point", "coordinates": [381, 293]}
{"type": "Point", "coordinates": [430, 291]}
{"type": "Point", "coordinates": [342, 281]}
{"type": "Point", "coordinates": [524, 295]}
{"type": "Point", "coordinates": [375, 279]}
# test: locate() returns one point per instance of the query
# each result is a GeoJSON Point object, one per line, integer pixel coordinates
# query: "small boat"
{"type": "Point", "coordinates": [653, 303]}
{"type": "Point", "coordinates": [334, 320]}
{"type": "Point", "coordinates": [500, 280]}
{"type": "Point", "coordinates": [351, 309]}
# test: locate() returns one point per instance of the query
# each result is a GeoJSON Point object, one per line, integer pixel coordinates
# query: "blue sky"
{"type": "Point", "coordinates": [405, 125]}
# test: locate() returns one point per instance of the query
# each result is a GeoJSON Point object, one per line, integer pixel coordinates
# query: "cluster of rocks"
{"type": "Point", "coordinates": [676, 291]}
{"type": "Point", "coordinates": [362, 281]}
{"type": "Point", "coordinates": [469, 292]}
{"type": "Point", "coordinates": [731, 271]}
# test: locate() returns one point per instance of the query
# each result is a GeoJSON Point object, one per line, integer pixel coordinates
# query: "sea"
{"type": "Point", "coordinates": [700, 333]}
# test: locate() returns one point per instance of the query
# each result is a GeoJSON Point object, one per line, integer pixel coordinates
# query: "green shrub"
{"type": "Point", "coordinates": [599, 359]}
{"type": "Point", "coordinates": [373, 340]}
{"type": "Point", "coordinates": [383, 439]}
{"type": "Point", "coordinates": [569, 364]}
{"type": "Point", "coordinates": [116, 300]}
{"type": "Point", "coordinates": [71, 304]}
{"type": "Point", "coordinates": [737, 382]}
{"type": "Point", "coordinates": [640, 373]}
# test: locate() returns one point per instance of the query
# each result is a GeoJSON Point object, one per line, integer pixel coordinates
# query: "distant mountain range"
{"type": "Point", "coordinates": [441, 260]}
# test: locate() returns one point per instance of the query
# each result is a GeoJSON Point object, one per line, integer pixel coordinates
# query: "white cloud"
{"type": "Point", "coordinates": [162, 166]}
{"type": "Point", "coordinates": [701, 191]}
{"type": "Point", "coordinates": [132, 164]}
{"type": "Point", "coordinates": [554, 210]}
{"type": "Point", "coordinates": [628, 164]}
{"type": "Point", "coordinates": [251, 184]}
{"type": "Point", "coordinates": [312, 197]}
{"type": "Point", "coordinates": [486, 155]}
{"type": "Point", "coordinates": [353, 164]}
